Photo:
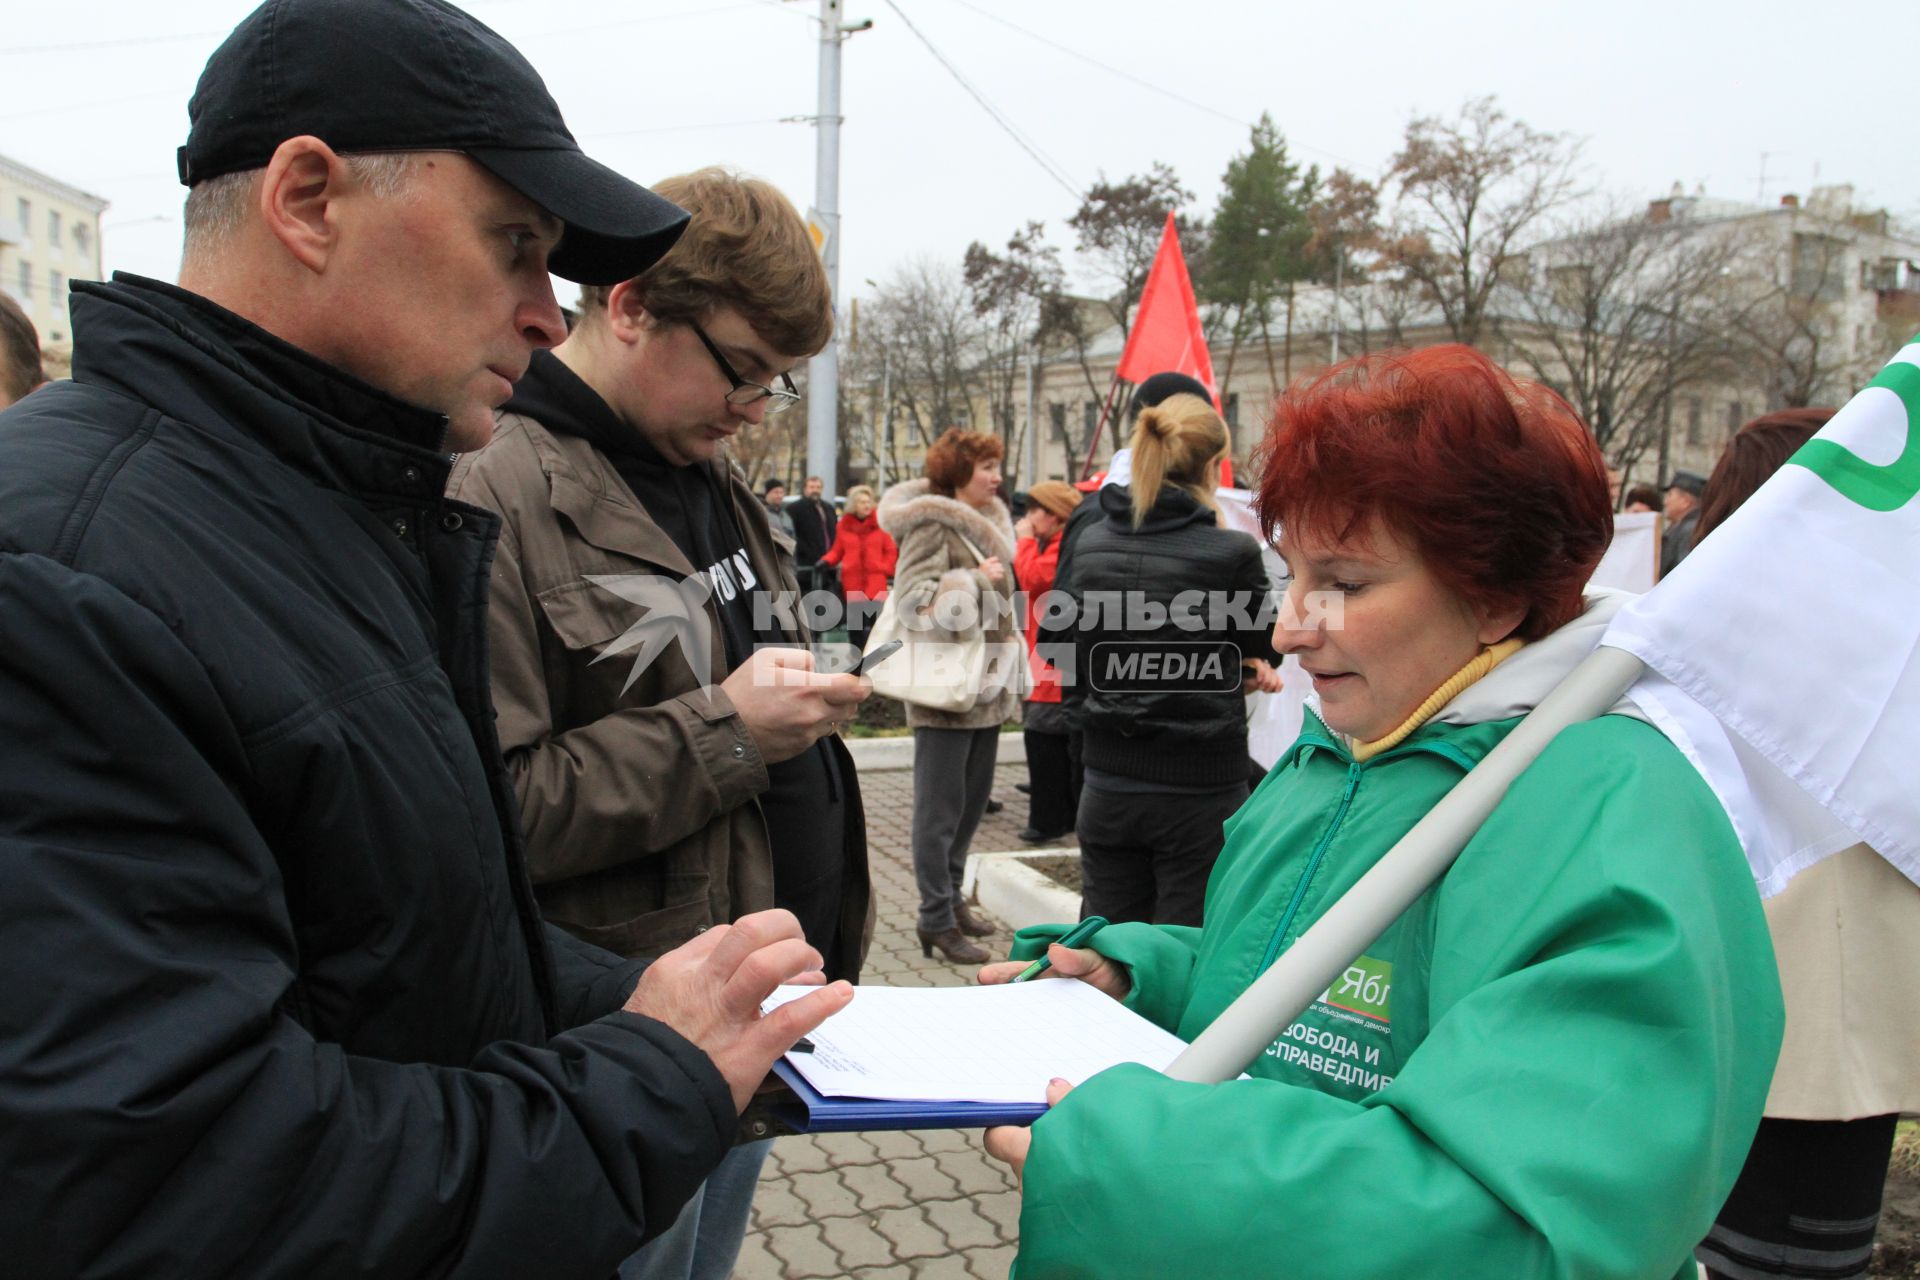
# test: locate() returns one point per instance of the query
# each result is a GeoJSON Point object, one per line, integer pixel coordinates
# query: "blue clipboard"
{"type": "Point", "coordinates": [810, 1111]}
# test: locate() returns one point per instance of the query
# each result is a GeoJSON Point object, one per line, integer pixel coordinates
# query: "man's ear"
{"type": "Point", "coordinates": [302, 182]}
{"type": "Point", "coordinates": [627, 314]}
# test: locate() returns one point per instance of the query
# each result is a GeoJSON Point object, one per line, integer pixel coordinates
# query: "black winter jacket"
{"type": "Point", "coordinates": [278, 1002]}
{"type": "Point", "coordinates": [1170, 730]}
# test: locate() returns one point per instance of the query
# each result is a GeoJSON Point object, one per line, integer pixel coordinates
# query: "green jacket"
{"type": "Point", "coordinates": [1551, 1065]}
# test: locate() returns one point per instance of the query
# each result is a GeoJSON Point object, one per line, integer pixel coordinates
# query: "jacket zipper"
{"type": "Point", "coordinates": [1445, 751]}
{"type": "Point", "coordinates": [1354, 769]}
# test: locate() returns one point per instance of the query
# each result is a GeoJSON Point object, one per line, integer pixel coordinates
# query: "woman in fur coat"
{"type": "Point", "coordinates": [955, 571]}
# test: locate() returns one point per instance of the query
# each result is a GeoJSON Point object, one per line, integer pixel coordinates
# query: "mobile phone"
{"type": "Point", "coordinates": [868, 661]}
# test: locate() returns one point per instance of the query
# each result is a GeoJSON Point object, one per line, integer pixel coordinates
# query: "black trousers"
{"type": "Point", "coordinates": [1147, 855]}
{"type": "Point", "coordinates": [1807, 1203]}
{"type": "Point", "coordinates": [1054, 799]}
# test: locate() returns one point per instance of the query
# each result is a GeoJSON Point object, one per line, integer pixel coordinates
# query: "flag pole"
{"type": "Point", "coordinates": [1100, 428]}
{"type": "Point", "coordinates": [1253, 1021]}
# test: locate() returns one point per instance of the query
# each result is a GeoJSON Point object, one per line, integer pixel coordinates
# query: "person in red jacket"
{"type": "Point", "coordinates": [1054, 800]}
{"type": "Point", "coordinates": [865, 554]}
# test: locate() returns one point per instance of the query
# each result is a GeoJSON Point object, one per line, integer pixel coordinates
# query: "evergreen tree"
{"type": "Point", "coordinates": [1258, 250]}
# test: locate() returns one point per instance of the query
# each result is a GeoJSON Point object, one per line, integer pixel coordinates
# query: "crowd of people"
{"type": "Point", "coordinates": [410, 790]}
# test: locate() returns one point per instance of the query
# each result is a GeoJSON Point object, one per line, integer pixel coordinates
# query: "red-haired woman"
{"type": "Point", "coordinates": [1550, 1065]}
{"type": "Point", "coordinates": [956, 570]}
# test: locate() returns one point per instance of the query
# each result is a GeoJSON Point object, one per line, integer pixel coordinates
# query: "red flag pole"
{"type": "Point", "coordinates": [1100, 429]}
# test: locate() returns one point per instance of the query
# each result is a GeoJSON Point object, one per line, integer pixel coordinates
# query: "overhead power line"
{"type": "Point", "coordinates": [1145, 83]}
{"type": "Point", "coordinates": [1053, 170]}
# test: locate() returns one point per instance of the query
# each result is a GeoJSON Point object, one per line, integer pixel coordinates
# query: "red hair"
{"type": "Point", "coordinates": [1495, 482]}
{"type": "Point", "coordinates": [951, 459]}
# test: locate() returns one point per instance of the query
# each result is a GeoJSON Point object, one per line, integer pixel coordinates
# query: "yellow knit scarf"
{"type": "Point", "coordinates": [1488, 659]}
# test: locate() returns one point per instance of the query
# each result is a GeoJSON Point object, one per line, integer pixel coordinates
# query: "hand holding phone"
{"type": "Point", "coordinates": [868, 661]}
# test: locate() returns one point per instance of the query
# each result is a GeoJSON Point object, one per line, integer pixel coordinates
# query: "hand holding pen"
{"type": "Point", "coordinates": [1067, 958]}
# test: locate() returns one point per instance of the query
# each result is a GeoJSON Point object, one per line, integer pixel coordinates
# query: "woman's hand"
{"type": "Point", "coordinates": [1083, 963]}
{"type": "Point", "coordinates": [1259, 676]}
{"type": "Point", "coordinates": [1023, 527]}
{"type": "Point", "coordinates": [993, 568]}
{"type": "Point", "coordinates": [1009, 1143]}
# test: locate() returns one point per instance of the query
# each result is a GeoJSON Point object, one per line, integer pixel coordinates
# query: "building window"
{"type": "Point", "coordinates": [1233, 411]}
{"type": "Point", "coordinates": [1057, 413]}
{"type": "Point", "coordinates": [1694, 432]}
{"type": "Point", "coordinates": [83, 237]}
{"type": "Point", "coordinates": [25, 210]}
{"type": "Point", "coordinates": [59, 286]}
{"type": "Point", "coordinates": [26, 281]}
{"type": "Point", "coordinates": [1736, 416]}
{"type": "Point", "coordinates": [1090, 417]}
{"type": "Point", "coordinates": [53, 228]}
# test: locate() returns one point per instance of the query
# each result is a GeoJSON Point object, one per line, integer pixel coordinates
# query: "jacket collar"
{"type": "Point", "coordinates": [583, 486]}
{"type": "Point", "coordinates": [912, 503]}
{"type": "Point", "coordinates": [202, 364]}
{"type": "Point", "coordinates": [1174, 509]}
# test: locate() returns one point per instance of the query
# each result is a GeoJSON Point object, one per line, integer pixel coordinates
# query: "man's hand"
{"type": "Point", "coordinates": [710, 989]}
{"type": "Point", "coordinates": [787, 705]}
{"type": "Point", "coordinates": [1083, 963]}
{"type": "Point", "coordinates": [1009, 1143]}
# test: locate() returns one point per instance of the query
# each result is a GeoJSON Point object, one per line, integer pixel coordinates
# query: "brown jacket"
{"type": "Point", "coordinates": [933, 532]}
{"type": "Point", "coordinates": [640, 806]}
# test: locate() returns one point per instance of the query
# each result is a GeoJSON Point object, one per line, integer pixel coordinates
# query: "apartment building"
{"type": "Point", "coordinates": [49, 237]}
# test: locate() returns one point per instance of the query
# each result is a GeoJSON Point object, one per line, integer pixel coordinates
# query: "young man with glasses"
{"type": "Point", "coordinates": [694, 775]}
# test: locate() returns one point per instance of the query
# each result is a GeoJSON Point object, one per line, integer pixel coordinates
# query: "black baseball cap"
{"type": "Point", "coordinates": [419, 75]}
{"type": "Point", "coordinates": [1690, 481]}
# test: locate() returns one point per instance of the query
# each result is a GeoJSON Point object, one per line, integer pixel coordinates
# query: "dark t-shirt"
{"type": "Point", "coordinates": [804, 809]}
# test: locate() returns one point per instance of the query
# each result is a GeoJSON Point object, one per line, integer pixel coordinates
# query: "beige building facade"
{"type": "Point", "coordinates": [49, 237]}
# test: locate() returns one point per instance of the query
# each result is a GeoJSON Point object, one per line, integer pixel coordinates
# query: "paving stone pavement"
{"type": "Point", "coordinates": [893, 1206]}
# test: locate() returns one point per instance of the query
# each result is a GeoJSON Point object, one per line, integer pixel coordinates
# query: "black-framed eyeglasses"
{"type": "Point", "coordinates": [779, 399]}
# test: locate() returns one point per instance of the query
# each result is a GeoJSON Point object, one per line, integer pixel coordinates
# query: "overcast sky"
{"type": "Point", "coordinates": [1691, 91]}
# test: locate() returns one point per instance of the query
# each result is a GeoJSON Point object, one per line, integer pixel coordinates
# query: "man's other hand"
{"type": "Point", "coordinates": [787, 705]}
{"type": "Point", "coordinates": [710, 989]}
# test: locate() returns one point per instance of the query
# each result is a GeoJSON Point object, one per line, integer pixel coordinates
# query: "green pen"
{"type": "Point", "coordinates": [1074, 937]}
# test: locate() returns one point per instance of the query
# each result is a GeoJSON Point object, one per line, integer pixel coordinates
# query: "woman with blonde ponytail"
{"type": "Point", "coordinates": [1164, 676]}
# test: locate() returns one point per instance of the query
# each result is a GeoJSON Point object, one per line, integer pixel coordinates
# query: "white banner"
{"type": "Point", "coordinates": [1817, 571]}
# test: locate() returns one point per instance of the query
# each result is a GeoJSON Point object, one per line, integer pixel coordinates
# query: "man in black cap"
{"type": "Point", "coordinates": [1681, 509]}
{"type": "Point", "coordinates": [281, 1002]}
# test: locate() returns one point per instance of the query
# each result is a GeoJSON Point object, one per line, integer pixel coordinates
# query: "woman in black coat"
{"type": "Point", "coordinates": [1174, 630]}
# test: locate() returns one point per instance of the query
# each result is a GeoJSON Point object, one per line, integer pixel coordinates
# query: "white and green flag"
{"type": "Point", "coordinates": [1819, 572]}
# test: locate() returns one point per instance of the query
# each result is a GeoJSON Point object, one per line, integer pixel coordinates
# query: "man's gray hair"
{"type": "Point", "coordinates": [217, 207]}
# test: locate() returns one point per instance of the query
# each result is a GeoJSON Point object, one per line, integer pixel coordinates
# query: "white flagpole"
{"type": "Point", "coordinates": [1265, 1009]}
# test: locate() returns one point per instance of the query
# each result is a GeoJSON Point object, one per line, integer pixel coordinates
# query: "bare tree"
{"type": "Point", "coordinates": [1619, 312]}
{"type": "Point", "coordinates": [1118, 226]}
{"type": "Point", "coordinates": [1792, 329]}
{"type": "Point", "coordinates": [1345, 216]}
{"type": "Point", "coordinates": [1017, 295]}
{"type": "Point", "coordinates": [1471, 192]}
{"type": "Point", "coordinates": [923, 326]}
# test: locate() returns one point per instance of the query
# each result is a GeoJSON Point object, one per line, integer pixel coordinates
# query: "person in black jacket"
{"type": "Point", "coordinates": [1050, 642]}
{"type": "Point", "coordinates": [1173, 630]}
{"type": "Point", "coordinates": [281, 1003]}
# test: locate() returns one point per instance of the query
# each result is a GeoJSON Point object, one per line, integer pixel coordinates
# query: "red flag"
{"type": "Point", "coordinates": [1166, 335]}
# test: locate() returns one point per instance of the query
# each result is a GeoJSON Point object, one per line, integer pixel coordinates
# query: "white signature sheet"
{"type": "Point", "coordinates": [973, 1044]}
